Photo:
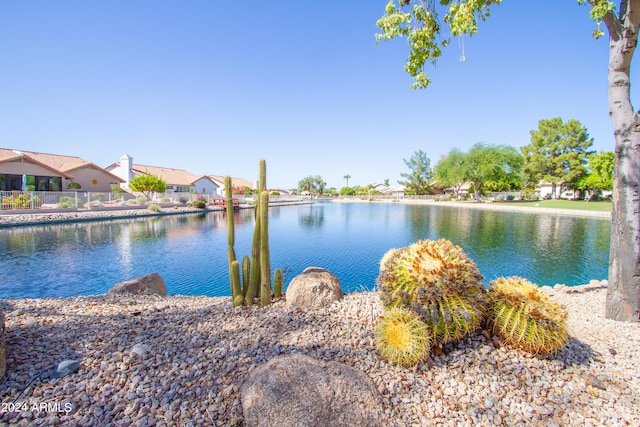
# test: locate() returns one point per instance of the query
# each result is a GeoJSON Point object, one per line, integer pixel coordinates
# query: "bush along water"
{"type": "Point", "coordinates": [526, 318]}
{"type": "Point", "coordinates": [437, 281]}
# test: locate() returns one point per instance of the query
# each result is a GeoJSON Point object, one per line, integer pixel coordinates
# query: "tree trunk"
{"type": "Point", "coordinates": [623, 294]}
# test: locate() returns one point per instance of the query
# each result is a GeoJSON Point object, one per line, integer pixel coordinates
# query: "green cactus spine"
{"type": "Point", "coordinates": [246, 268]}
{"type": "Point", "coordinates": [254, 275]}
{"type": "Point", "coordinates": [262, 182]}
{"type": "Point", "coordinates": [402, 337]}
{"type": "Point", "coordinates": [525, 317]}
{"type": "Point", "coordinates": [235, 284]}
{"type": "Point", "coordinates": [277, 283]}
{"type": "Point", "coordinates": [437, 281]}
{"type": "Point", "coordinates": [265, 267]}
{"type": "Point", "coordinates": [230, 233]}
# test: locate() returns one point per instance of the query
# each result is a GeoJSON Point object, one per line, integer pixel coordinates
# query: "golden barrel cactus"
{"type": "Point", "coordinates": [402, 337]}
{"type": "Point", "coordinates": [436, 280]}
{"type": "Point", "coordinates": [525, 317]}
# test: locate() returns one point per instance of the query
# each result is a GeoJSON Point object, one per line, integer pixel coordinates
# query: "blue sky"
{"type": "Point", "coordinates": [213, 86]}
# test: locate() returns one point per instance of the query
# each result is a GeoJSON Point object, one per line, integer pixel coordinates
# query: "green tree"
{"type": "Point", "coordinates": [558, 153]}
{"type": "Point", "coordinates": [312, 184]}
{"type": "Point", "coordinates": [450, 172]}
{"type": "Point", "coordinates": [347, 191]}
{"type": "Point", "coordinates": [600, 173]}
{"type": "Point", "coordinates": [147, 184]}
{"type": "Point", "coordinates": [418, 181]}
{"type": "Point", "coordinates": [428, 34]}
{"type": "Point", "coordinates": [347, 177]}
{"type": "Point", "coordinates": [491, 163]}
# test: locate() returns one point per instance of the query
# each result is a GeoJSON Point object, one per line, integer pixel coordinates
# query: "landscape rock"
{"type": "Point", "coordinates": [315, 287]}
{"type": "Point", "coordinates": [140, 349]}
{"type": "Point", "coordinates": [149, 284]}
{"type": "Point", "coordinates": [65, 368]}
{"type": "Point", "coordinates": [303, 391]}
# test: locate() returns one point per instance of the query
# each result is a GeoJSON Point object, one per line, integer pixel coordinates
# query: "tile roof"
{"type": "Point", "coordinates": [57, 162]}
{"type": "Point", "coordinates": [170, 175]}
{"type": "Point", "coordinates": [8, 155]}
{"type": "Point", "coordinates": [236, 182]}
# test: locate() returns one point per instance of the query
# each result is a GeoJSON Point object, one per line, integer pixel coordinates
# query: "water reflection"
{"type": "Point", "coordinates": [190, 251]}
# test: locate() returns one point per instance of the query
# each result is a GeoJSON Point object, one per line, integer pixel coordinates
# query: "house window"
{"type": "Point", "coordinates": [33, 183]}
{"type": "Point", "coordinates": [11, 182]}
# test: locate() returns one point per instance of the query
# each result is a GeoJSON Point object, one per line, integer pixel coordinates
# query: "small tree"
{"type": "Point", "coordinates": [491, 163]}
{"type": "Point", "coordinates": [600, 173]}
{"type": "Point", "coordinates": [419, 180]}
{"type": "Point", "coordinates": [312, 184]}
{"type": "Point", "coordinates": [450, 171]}
{"type": "Point", "coordinates": [147, 184]}
{"type": "Point", "coordinates": [558, 153]}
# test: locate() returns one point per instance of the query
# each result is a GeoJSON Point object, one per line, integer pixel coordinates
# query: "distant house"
{"type": "Point", "coordinates": [29, 170]}
{"type": "Point", "coordinates": [178, 180]}
{"type": "Point", "coordinates": [239, 183]}
{"type": "Point", "coordinates": [395, 191]}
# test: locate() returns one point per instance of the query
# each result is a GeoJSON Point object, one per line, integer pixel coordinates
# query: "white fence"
{"type": "Point", "coordinates": [12, 200]}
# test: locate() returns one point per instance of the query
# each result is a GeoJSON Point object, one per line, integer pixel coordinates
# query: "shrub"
{"type": "Point", "coordinates": [184, 200]}
{"type": "Point", "coordinates": [66, 202]}
{"type": "Point", "coordinates": [200, 204]}
{"type": "Point", "coordinates": [22, 201]}
{"type": "Point", "coordinates": [154, 208]}
{"type": "Point", "coordinates": [141, 200]}
{"type": "Point", "coordinates": [165, 200]}
{"type": "Point", "coordinates": [511, 197]}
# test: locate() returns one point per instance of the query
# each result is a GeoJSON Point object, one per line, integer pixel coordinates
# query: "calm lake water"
{"type": "Point", "coordinates": [190, 251]}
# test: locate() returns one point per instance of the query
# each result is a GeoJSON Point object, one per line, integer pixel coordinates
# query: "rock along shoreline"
{"type": "Point", "coordinates": [199, 350]}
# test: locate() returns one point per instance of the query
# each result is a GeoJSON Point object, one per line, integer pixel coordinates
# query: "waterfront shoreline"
{"type": "Point", "coordinates": [201, 349]}
{"type": "Point", "coordinates": [8, 218]}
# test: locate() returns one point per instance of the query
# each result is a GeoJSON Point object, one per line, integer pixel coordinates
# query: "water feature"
{"type": "Point", "coordinates": [190, 251]}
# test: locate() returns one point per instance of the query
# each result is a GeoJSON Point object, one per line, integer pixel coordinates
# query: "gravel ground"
{"type": "Point", "coordinates": [200, 349]}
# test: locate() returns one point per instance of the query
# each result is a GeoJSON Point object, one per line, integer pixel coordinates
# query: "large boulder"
{"type": "Point", "coordinates": [298, 390]}
{"type": "Point", "coordinates": [149, 284]}
{"type": "Point", "coordinates": [3, 360]}
{"type": "Point", "coordinates": [315, 287]}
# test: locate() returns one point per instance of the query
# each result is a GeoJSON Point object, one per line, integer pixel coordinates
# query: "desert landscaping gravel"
{"type": "Point", "coordinates": [180, 361]}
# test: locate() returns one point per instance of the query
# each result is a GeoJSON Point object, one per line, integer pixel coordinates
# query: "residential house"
{"type": "Point", "coordinates": [238, 183]}
{"type": "Point", "coordinates": [178, 180]}
{"type": "Point", "coordinates": [30, 170]}
{"type": "Point", "coordinates": [393, 190]}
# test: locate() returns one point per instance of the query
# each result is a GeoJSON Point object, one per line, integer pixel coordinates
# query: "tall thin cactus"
{"type": "Point", "coordinates": [236, 291]}
{"type": "Point", "coordinates": [277, 283]}
{"type": "Point", "coordinates": [256, 271]}
{"type": "Point", "coordinates": [235, 287]}
{"type": "Point", "coordinates": [265, 267]}
{"type": "Point", "coordinates": [246, 268]}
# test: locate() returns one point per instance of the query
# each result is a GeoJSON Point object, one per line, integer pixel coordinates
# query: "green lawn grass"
{"type": "Point", "coordinates": [564, 204]}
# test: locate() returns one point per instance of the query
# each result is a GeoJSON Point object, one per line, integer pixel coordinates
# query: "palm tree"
{"type": "Point", "coordinates": [347, 178]}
